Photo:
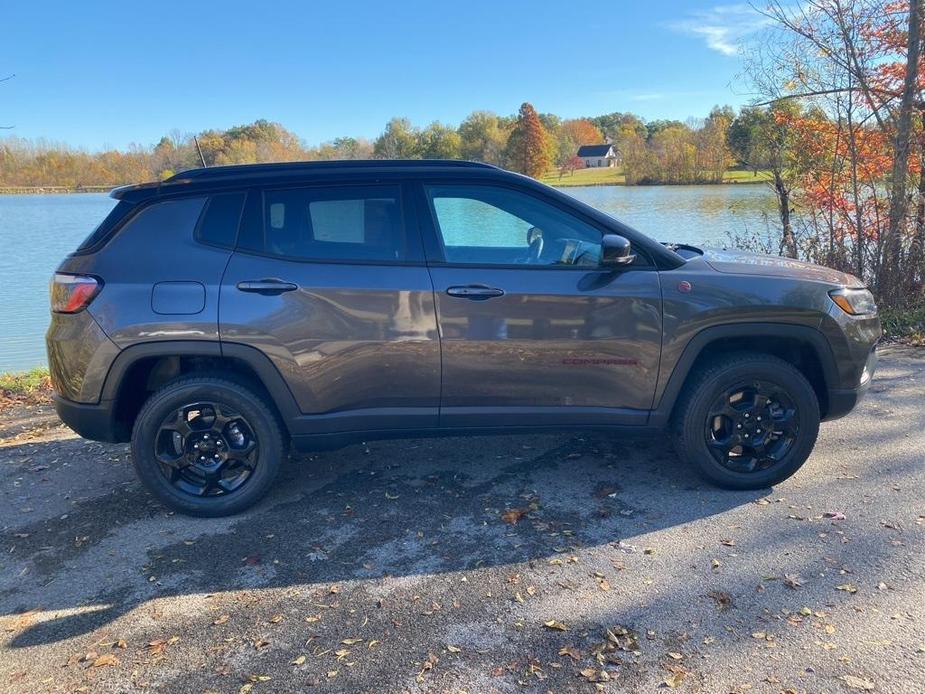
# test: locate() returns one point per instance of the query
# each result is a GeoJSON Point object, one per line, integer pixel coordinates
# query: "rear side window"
{"type": "Point", "coordinates": [350, 223]}
{"type": "Point", "coordinates": [99, 235]}
{"type": "Point", "coordinates": [218, 224]}
{"type": "Point", "coordinates": [161, 222]}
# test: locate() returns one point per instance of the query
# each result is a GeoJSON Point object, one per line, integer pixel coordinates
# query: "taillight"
{"type": "Point", "coordinates": [73, 293]}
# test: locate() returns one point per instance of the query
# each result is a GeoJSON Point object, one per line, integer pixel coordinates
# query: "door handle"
{"type": "Point", "coordinates": [476, 292]}
{"type": "Point", "coordinates": [268, 287]}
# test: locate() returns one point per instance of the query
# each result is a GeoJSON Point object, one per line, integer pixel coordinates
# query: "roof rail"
{"type": "Point", "coordinates": [282, 167]}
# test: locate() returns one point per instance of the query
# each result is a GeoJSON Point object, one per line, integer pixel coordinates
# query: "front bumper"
{"type": "Point", "coordinates": [92, 421]}
{"type": "Point", "coordinates": [842, 400]}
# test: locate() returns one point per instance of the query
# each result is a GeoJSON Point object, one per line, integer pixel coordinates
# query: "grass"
{"type": "Point", "coordinates": [26, 386]}
{"type": "Point", "coordinates": [614, 177]}
{"type": "Point", "coordinates": [586, 177]}
{"type": "Point", "coordinates": [905, 325]}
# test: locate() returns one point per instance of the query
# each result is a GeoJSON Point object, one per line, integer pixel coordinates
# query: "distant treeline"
{"type": "Point", "coordinates": [659, 151]}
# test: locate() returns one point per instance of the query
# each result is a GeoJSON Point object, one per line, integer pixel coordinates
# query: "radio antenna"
{"type": "Point", "coordinates": [199, 149]}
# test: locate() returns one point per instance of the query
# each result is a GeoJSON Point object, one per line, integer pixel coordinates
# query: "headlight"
{"type": "Point", "coordinates": [857, 302]}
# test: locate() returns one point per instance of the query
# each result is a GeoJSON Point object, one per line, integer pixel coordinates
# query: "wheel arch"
{"type": "Point", "coordinates": [803, 346]}
{"type": "Point", "coordinates": [140, 369]}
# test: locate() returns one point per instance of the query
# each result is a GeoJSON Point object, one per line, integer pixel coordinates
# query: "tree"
{"type": "Point", "coordinates": [398, 141]}
{"type": "Point", "coordinates": [483, 137]}
{"type": "Point", "coordinates": [899, 203]}
{"type": "Point", "coordinates": [582, 131]}
{"type": "Point", "coordinates": [571, 165]}
{"type": "Point", "coordinates": [714, 152]}
{"type": "Point", "coordinates": [855, 66]}
{"type": "Point", "coordinates": [438, 141]}
{"type": "Point", "coordinates": [529, 147]}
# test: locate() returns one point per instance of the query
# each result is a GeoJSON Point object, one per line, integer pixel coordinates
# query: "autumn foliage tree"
{"type": "Point", "coordinates": [529, 147]}
{"type": "Point", "coordinates": [857, 139]}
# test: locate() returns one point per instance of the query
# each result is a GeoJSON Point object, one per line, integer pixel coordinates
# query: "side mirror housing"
{"type": "Point", "coordinates": [616, 250]}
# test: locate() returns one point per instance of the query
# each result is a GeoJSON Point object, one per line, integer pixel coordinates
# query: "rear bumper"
{"type": "Point", "coordinates": [92, 421]}
{"type": "Point", "coordinates": [843, 400]}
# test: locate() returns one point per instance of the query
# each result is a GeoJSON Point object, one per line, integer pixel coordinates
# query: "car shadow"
{"type": "Point", "coordinates": [396, 508]}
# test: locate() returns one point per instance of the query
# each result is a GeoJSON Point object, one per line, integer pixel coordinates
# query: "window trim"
{"type": "Point", "coordinates": [412, 244]}
{"type": "Point", "coordinates": [434, 240]}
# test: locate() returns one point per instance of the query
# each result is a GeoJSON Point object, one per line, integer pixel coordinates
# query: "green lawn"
{"type": "Point", "coordinates": [614, 177]}
{"type": "Point", "coordinates": [586, 177]}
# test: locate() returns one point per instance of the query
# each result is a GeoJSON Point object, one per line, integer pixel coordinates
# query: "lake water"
{"type": "Point", "coordinates": [37, 231]}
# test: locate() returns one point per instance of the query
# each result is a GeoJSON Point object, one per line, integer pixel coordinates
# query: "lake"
{"type": "Point", "coordinates": [37, 231]}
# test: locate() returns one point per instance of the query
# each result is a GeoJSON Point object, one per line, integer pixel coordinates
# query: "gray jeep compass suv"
{"type": "Point", "coordinates": [216, 317]}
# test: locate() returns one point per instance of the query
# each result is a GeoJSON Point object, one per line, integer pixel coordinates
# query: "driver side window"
{"type": "Point", "coordinates": [487, 225]}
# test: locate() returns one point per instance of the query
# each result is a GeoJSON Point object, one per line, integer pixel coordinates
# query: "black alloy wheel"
{"type": "Point", "coordinates": [752, 427]}
{"type": "Point", "coordinates": [206, 449]}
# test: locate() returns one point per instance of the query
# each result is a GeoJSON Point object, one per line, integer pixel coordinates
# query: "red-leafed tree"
{"type": "Point", "coordinates": [529, 149]}
{"type": "Point", "coordinates": [856, 145]}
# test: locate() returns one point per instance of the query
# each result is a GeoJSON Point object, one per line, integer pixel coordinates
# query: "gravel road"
{"type": "Point", "coordinates": [511, 564]}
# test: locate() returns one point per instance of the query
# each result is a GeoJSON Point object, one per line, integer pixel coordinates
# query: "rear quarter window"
{"type": "Point", "coordinates": [218, 224]}
{"type": "Point", "coordinates": [104, 229]}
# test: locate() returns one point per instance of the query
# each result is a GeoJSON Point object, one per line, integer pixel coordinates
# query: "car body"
{"type": "Point", "coordinates": [406, 298]}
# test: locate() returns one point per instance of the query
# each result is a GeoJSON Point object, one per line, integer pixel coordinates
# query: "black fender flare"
{"type": "Point", "coordinates": [258, 362]}
{"type": "Point", "coordinates": [661, 414]}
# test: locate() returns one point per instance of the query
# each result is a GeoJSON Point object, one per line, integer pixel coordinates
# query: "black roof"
{"type": "Point", "coordinates": [222, 176]}
{"type": "Point", "coordinates": [243, 170]}
{"type": "Point", "coordinates": [594, 150]}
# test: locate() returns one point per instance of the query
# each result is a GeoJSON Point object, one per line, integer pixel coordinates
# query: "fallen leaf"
{"type": "Point", "coordinates": [555, 625]}
{"type": "Point", "coordinates": [298, 661]}
{"type": "Point", "coordinates": [276, 619]}
{"type": "Point", "coordinates": [857, 683]}
{"type": "Point", "coordinates": [792, 581]}
{"type": "Point", "coordinates": [834, 515]}
{"type": "Point", "coordinates": [106, 660]}
{"type": "Point", "coordinates": [571, 652]}
{"type": "Point", "coordinates": [453, 649]}
{"type": "Point", "coordinates": [674, 680]}
{"type": "Point", "coordinates": [514, 514]}
{"type": "Point", "coordinates": [675, 656]}
{"type": "Point", "coordinates": [847, 587]}
{"type": "Point", "coordinates": [221, 620]}
{"type": "Point", "coordinates": [723, 600]}
{"type": "Point", "coordinates": [350, 642]}
{"type": "Point", "coordinates": [390, 497]}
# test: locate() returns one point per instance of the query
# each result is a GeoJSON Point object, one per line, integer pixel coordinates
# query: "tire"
{"type": "Point", "coordinates": [248, 448]}
{"type": "Point", "coordinates": [702, 436]}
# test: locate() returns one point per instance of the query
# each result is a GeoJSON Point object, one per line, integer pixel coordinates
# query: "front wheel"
{"type": "Point", "coordinates": [207, 446]}
{"type": "Point", "coordinates": [747, 422]}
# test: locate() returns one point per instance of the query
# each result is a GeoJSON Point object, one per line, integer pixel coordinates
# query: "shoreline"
{"type": "Point", "coordinates": [597, 184]}
{"type": "Point", "coordinates": [64, 190]}
{"type": "Point", "coordinates": [52, 190]}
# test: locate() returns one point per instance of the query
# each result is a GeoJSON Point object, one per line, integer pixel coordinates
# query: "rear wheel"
{"type": "Point", "coordinates": [747, 422]}
{"type": "Point", "coordinates": [207, 446]}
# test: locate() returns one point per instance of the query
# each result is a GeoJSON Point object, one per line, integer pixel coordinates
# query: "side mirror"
{"type": "Point", "coordinates": [616, 250]}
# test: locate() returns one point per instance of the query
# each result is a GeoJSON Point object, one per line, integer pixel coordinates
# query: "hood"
{"type": "Point", "coordinates": [742, 263]}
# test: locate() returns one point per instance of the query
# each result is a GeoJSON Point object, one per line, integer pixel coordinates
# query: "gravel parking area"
{"type": "Point", "coordinates": [509, 564]}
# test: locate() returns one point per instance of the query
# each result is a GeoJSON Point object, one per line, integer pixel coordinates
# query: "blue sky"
{"type": "Point", "coordinates": [102, 74]}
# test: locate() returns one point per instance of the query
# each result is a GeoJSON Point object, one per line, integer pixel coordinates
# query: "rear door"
{"type": "Point", "coordinates": [328, 282]}
{"type": "Point", "coordinates": [534, 330]}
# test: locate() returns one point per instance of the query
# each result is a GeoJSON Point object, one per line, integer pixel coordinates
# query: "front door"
{"type": "Point", "coordinates": [328, 283]}
{"type": "Point", "coordinates": [534, 331]}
